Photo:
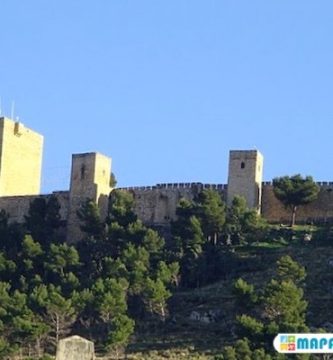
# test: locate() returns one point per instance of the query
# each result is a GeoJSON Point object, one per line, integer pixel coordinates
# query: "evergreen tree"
{"type": "Point", "coordinates": [284, 304]}
{"type": "Point", "coordinates": [110, 298]}
{"type": "Point", "coordinates": [84, 303]}
{"type": "Point", "coordinates": [59, 312]}
{"type": "Point", "coordinates": [234, 221]}
{"type": "Point", "coordinates": [229, 353]}
{"type": "Point", "coordinates": [193, 241]}
{"type": "Point", "coordinates": [4, 234]}
{"type": "Point", "coordinates": [20, 326]}
{"type": "Point", "coordinates": [122, 327]}
{"type": "Point", "coordinates": [121, 208]}
{"type": "Point", "coordinates": [93, 247]}
{"type": "Point", "coordinates": [137, 263]}
{"type": "Point", "coordinates": [11, 239]}
{"type": "Point", "coordinates": [91, 223]}
{"type": "Point", "coordinates": [250, 327]}
{"type": "Point", "coordinates": [168, 273]}
{"type": "Point", "coordinates": [244, 293]}
{"type": "Point", "coordinates": [294, 191]}
{"type": "Point", "coordinates": [43, 220]}
{"type": "Point", "coordinates": [280, 309]}
{"type": "Point", "coordinates": [155, 296]}
{"type": "Point", "coordinates": [111, 305]}
{"type": "Point", "coordinates": [211, 211]}
{"type": "Point", "coordinates": [288, 269]}
{"type": "Point", "coordinates": [7, 268]}
{"type": "Point", "coordinates": [243, 350]}
{"type": "Point", "coordinates": [243, 224]}
{"type": "Point", "coordinates": [29, 262]}
{"type": "Point", "coordinates": [113, 180]}
{"type": "Point", "coordinates": [61, 259]}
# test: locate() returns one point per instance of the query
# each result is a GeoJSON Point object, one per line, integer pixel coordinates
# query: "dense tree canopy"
{"type": "Point", "coordinates": [279, 307]}
{"type": "Point", "coordinates": [121, 276]}
{"type": "Point", "coordinates": [118, 274]}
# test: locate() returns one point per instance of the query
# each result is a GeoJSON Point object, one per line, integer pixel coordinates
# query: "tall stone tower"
{"type": "Point", "coordinates": [90, 179]}
{"type": "Point", "coordinates": [21, 152]}
{"type": "Point", "coordinates": [245, 177]}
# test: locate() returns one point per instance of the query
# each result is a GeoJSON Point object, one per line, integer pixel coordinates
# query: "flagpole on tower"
{"type": "Point", "coordinates": [13, 109]}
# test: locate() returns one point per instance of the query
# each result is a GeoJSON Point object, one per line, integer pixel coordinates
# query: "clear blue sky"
{"type": "Point", "coordinates": [167, 88]}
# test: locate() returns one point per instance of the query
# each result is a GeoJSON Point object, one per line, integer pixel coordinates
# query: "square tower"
{"type": "Point", "coordinates": [90, 179]}
{"type": "Point", "coordinates": [21, 152]}
{"type": "Point", "coordinates": [245, 177]}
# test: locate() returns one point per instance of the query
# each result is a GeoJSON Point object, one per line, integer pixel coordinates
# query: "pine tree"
{"type": "Point", "coordinates": [294, 191]}
{"type": "Point", "coordinates": [284, 304]}
{"type": "Point", "coordinates": [155, 296]}
{"type": "Point", "coordinates": [43, 220]}
{"type": "Point", "coordinates": [288, 269]}
{"type": "Point", "coordinates": [120, 331]}
{"type": "Point", "coordinates": [60, 313]}
{"type": "Point", "coordinates": [211, 211]}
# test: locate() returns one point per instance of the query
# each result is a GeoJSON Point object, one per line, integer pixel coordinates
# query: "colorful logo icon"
{"type": "Point", "coordinates": [304, 343]}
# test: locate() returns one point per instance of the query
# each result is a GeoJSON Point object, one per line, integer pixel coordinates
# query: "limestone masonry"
{"type": "Point", "coordinates": [20, 159]}
{"type": "Point", "coordinates": [75, 348]}
{"type": "Point", "coordinates": [20, 177]}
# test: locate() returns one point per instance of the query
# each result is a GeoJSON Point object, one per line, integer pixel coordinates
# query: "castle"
{"type": "Point", "coordinates": [20, 177]}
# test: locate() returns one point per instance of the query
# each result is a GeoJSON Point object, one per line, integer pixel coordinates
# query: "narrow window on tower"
{"type": "Point", "coordinates": [242, 165]}
{"type": "Point", "coordinates": [83, 170]}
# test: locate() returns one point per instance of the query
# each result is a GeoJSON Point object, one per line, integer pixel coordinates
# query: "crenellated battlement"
{"type": "Point", "coordinates": [177, 186]}
{"type": "Point", "coordinates": [319, 183]}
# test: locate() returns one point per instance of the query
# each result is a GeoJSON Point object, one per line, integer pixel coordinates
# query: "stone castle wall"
{"type": "Point", "coordinates": [320, 210]}
{"type": "Point", "coordinates": [156, 205]}
{"type": "Point", "coordinates": [18, 206]}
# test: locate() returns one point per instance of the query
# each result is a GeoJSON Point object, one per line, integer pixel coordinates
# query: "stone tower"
{"type": "Point", "coordinates": [90, 179]}
{"type": "Point", "coordinates": [21, 152]}
{"type": "Point", "coordinates": [245, 176]}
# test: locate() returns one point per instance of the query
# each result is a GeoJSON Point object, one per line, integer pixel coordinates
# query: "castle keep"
{"type": "Point", "coordinates": [20, 177]}
{"type": "Point", "coordinates": [20, 159]}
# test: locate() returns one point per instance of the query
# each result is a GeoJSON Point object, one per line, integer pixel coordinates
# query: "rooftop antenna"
{"type": "Point", "coordinates": [12, 111]}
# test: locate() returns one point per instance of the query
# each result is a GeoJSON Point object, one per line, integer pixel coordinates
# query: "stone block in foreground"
{"type": "Point", "coordinates": [75, 348]}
